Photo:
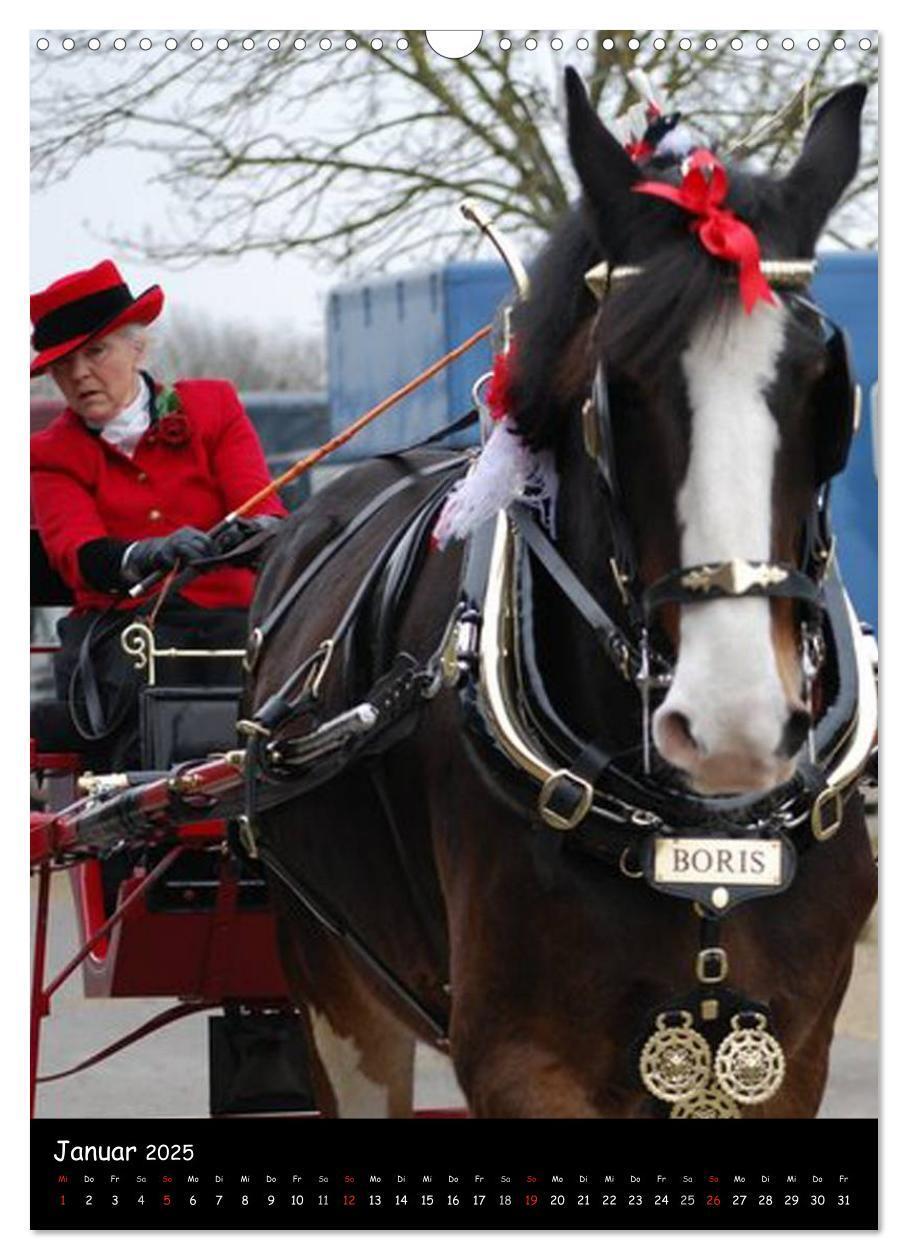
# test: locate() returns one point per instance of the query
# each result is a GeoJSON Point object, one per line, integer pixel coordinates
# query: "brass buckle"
{"type": "Point", "coordinates": [559, 821]}
{"type": "Point", "coordinates": [825, 830]}
{"type": "Point", "coordinates": [706, 958]}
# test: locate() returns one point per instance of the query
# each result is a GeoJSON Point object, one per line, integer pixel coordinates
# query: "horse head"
{"type": "Point", "coordinates": [719, 423]}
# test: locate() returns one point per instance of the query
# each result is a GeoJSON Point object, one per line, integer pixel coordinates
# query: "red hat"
{"type": "Point", "coordinates": [73, 310]}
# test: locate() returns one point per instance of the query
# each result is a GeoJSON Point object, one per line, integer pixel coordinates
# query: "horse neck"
{"type": "Point", "coordinates": [581, 680]}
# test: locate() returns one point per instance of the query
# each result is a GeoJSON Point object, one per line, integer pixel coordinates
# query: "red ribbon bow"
{"type": "Point", "coordinates": [721, 232]}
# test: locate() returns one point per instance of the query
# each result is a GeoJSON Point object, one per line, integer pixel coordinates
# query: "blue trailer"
{"type": "Point", "coordinates": [383, 332]}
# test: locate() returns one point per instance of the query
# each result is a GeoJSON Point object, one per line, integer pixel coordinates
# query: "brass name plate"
{"type": "Point", "coordinates": [692, 860]}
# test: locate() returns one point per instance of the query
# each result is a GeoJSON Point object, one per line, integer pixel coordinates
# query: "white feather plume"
{"type": "Point", "coordinates": [506, 471]}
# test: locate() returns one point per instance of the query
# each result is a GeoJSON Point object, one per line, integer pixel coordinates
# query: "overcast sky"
{"type": "Point", "coordinates": [115, 193]}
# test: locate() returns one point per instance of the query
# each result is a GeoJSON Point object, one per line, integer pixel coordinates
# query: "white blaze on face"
{"type": "Point", "coordinates": [727, 692]}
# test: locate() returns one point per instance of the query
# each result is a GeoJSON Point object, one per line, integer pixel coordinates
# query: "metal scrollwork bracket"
{"type": "Point", "coordinates": [138, 640]}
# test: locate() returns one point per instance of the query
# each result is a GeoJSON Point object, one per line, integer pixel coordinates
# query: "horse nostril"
{"type": "Point", "coordinates": [795, 733]}
{"type": "Point", "coordinates": [677, 733]}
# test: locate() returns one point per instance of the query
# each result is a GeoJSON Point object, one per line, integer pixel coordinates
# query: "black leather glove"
{"type": "Point", "coordinates": [244, 528]}
{"type": "Point", "coordinates": [156, 555]}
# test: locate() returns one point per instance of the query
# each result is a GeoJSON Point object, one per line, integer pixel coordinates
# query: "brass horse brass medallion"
{"type": "Point", "coordinates": [708, 860]}
{"type": "Point", "coordinates": [750, 1063]}
{"type": "Point", "coordinates": [676, 1062]}
{"type": "Point", "coordinates": [711, 1103]}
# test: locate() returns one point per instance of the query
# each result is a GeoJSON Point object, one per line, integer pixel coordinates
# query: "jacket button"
{"type": "Point", "coordinates": [154, 515]}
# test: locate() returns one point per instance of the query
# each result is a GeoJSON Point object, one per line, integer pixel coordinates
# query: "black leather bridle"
{"type": "Point", "coordinates": [836, 395]}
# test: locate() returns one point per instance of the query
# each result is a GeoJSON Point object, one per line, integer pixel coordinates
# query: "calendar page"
{"type": "Point", "coordinates": [453, 623]}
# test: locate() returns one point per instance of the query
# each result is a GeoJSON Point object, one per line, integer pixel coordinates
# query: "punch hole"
{"type": "Point", "coordinates": [838, 44]}
{"type": "Point", "coordinates": [324, 43]}
{"type": "Point", "coordinates": [865, 44]}
{"type": "Point", "coordinates": [299, 44]}
{"type": "Point", "coordinates": [94, 43]}
{"type": "Point", "coordinates": [350, 44]}
{"type": "Point", "coordinates": [170, 44]}
{"type": "Point", "coordinates": [531, 43]}
{"type": "Point", "coordinates": [69, 44]}
{"type": "Point", "coordinates": [403, 44]}
{"type": "Point", "coordinates": [222, 44]}
{"type": "Point", "coordinates": [453, 44]}
{"type": "Point", "coordinates": [119, 43]}
{"type": "Point", "coordinates": [737, 43]}
{"type": "Point", "coordinates": [43, 44]}
{"type": "Point", "coordinates": [633, 43]}
{"type": "Point", "coordinates": [145, 44]}
{"type": "Point", "coordinates": [504, 44]}
{"type": "Point", "coordinates": [684, 44]}
{"type": "Point", "coordinates": [248, 44]}
{"type": "Point", "coordinates": [608, 44]}
{"type": "Point", "coordinates": [658, 43]}
{"type": "Point", "coordinates": [711, 44]}
{"type": "Point", "coordinates": [762, 43]}
{"type": "Point", "coordinates": [274, 44]}
{"type": "Point", "coordinates": [813, 44]}
{"type": "Point", "coordinates": [378, 44]}
{"type": "Point", "coordinates": [196, 44]}
{"type": "Point", "coordinates": [788, 43]}
{"type": "Point", "coordinates": [583, 43]}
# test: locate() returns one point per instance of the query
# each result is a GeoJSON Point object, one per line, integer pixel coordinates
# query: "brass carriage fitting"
{"type": "Point", "coordinates": [91, 784]}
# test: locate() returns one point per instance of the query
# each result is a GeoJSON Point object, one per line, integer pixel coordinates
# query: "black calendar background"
{"type": "Point", "coordinates": [360, 1174]}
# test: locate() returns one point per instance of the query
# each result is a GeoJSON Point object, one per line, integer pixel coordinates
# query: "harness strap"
{"type": "Point", "coordinates": [699, 583]}
{"type": "Point", "coordinates": [362, 518]}
{"type": "Point", "coordinates": [568, 796]}
{"type": "Point", "coordinates": [338, 927]}
{"type": "Point", "coordinates": [280, 707]}
{"type": "Point", "coordinates": [621, 651]}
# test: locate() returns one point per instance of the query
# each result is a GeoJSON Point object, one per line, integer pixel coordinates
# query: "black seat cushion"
{"type": "Point", "coordinates": [186, 723]}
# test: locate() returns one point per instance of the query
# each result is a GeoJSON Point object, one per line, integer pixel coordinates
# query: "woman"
{"type": "Point", "coordinates": [126, 484]}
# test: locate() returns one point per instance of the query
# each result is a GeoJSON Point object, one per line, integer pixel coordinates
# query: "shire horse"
{"type": "Point", "coordinates": [540, 964]}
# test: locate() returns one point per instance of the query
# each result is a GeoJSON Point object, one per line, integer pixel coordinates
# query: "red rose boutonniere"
{"type": "Point", "coordinates": [171, 422]}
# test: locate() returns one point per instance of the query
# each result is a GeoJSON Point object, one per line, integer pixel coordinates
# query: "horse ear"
{"type": "Point", "coordinates": [829, 158]}
{"type": "Point", "coordinates": [604, 169]}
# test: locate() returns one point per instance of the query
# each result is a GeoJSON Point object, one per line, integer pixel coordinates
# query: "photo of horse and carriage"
{"type": "Point", "coordinates": [511, 689]}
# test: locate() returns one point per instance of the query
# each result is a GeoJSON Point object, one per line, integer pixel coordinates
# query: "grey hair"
{"type": "Point", "coordinates": [136, 334]}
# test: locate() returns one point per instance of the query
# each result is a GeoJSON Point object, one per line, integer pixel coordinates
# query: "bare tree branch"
{"type": "Point", "coordinates": [362, 156]}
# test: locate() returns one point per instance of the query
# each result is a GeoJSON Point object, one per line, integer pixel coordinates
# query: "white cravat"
{"type": "Point", "coordinates": [125, 429]}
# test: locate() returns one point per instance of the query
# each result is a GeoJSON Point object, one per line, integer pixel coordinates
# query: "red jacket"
{"type": "Point", "coordinates": [84, 489]}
